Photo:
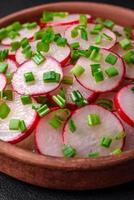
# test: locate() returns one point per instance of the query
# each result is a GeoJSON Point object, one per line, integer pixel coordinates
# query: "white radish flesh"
{"type": "Point", "coordinates": [3, 82]}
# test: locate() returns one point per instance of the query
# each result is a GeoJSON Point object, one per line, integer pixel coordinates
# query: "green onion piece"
{"type": "Point", "coordinates": [28, 54]}
{"type": "Point", "coordinates": [61, 42]}
{"type": "Point", "coordinates": [63, 114]}
{"type": "Point", "coordinates": [106, 142]}
{"type": "Point", "coordinates": [3, 54]}
{"type": "Point", "coordinates": [15, 46]}
{"type": "Point", "coordinates": [31, 25]}
{"type": "Point", "coordinates": [128, 32]}
{"type": "Point", "coordinates": [59, 100]}
{"type": "Point", "coordinates": [68, 151]}
{"type": "Point", "coordinates": [43, 110]}
{"type": "Point", "coordinates": [7, 95]}
{"type": "Point", "coordinates": [99, 20]}
{"type": "Point", "coordinates": [84, 34]}
{"type": "Point", "coordinates": [38, 58]}
{"type": "Point", "coordinates": [91, 48]}
{"type": "Point", "coordinates": [48, 35]}
{"type": "Point", "coordinates": [107, 37]}
{"type": "Point", "coordinates": [105, 103]}
{"type": "Point", "coordinates": [29, 77]}
{"type": "Point", "coordinates": [75, 45]}
{"type": "Point", "coordinates": [93, 119]}
{"type": "Point", "coordinates": [72, 126]}
{"type": "Point", "coordinates": [16, 26]}
{"type": "Point", "coordinates": [4, 110]}
{"type": "Point", "coordinates": [77, 98]}
{"type": "Point", "coordinates": [26, 48]}
{"type": "Point", "coordinates": [36, 106]}
{"type": "Point", "coordinates": [62, 93]}
{"type": "Point", "coordinates": [109, 23]}
{"type": "Point", "coordinates": [55, 122]}
{"type": "Point", "coordinates": [24, 42]}
{"type": "Point", "coordinates": [22, 126]}
{"type": "Point", "coordinates": [14, 124]}
{"type": "Point", "coordinates": [13, 34]}
{"type": "Point", "coordinates": [3, 67]}
{"type": "Point", "coordinates": [93, 54]}
{"type": "Point", "coordinates": [95, 68]}
{"type": "Point", "coordinates": [93, 154]}
{"type": "Point", "coordinates": [38, 35]}
{"type": "Point", "coordinates": [77, 70]}
{"type": "Point", "coordinates": [98, 76]}
{"type": "Point", "coordinates": [116, 152]}
{"type": "Point", "coordinates": [132, 89]}
{"type": "Point", "coordinates": [57, 36]}
{"type": "Point", "coordinates": [47, 16]}
{"type": "Point", "coordinates": [9, 77]}
{"type": "Point", "coordinates": [3, 33]}
{"type": "Point", "coordinates": [43, 46]}
{"type": "Point", "coordinates": [83, 19]}
{"type": "Point", "coordinates": [51, 77]}
{"type": "Point", "coordinates": [26, 99]}
{"type": "Point", "coordinates": [125, 43]}
{"type": "Point", "coordinates": [68, 80]}
{"type": "Point", "coordinates": [60, 14]}
{"type": "Point", "coordinates": [129, 57]}
{"type": "Point", "coordinates": [98, 39]}
{"type": "Point", "coordinates": [120, 135]}
{"type": "Point", "coordinates": [111, 59]}
{"type": "Point", "coordinates": [111, 72]}
{"type": "Point", "coordinates": [96, 29]}
{"type": "Point", "coordinates": [74, 32]}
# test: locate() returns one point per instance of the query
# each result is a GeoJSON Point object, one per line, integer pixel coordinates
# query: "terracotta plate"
{"type": "Point", "coordinates": [76, 173]}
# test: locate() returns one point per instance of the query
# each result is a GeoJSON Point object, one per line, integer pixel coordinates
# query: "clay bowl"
{"type": "Point", "coordinates": [60, 173]}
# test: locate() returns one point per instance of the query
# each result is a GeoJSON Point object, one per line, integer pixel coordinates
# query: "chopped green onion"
{"type": "Point", "coordinates": [75, 45]}
{"type": "Point", "coordinates": [3, 33]}
{"type": "Point", "coordinates": [38, 58]}
{"type": "Point", "coordinates": [3, 54]}
{"type": "Point", "coordinates": [26, 48]}
{"type": "Point", "coordinates": [43, 110]}
{"type": "Point", "coordinates": [22, 126]}
{"type": "Point", "coordinates": [69, 151]}
{"type": "Point", "coordinates": [99, 20]}
{"type": "Point", "coordinates": [29, 77]}
{"type": "Point", "coordinates": [108, 23]}
{"type": "Point", "coordinates": [116, 152]}
{"type": "Point", "coordinates": [48, 35]}
{"type": "Point", "coordinates": [111, 72]}
{"type": "Point", "coordinates": [95, 68]}
{"type": "Point", "coordinates": [98, 39]}
{"type": "Point", "coordinates": [47, 16]}
{"type": "Point", "coordinates": [15, 46]}
{"type": "Point", "coordinates": [51, 77]}
{"type": "Point", "coordinates": [7, 95]}
{"type": "Point", "coordinates": [128, 32]}
{"type": "Point", "coordinates": [24, 42]}
{"type": "Point", "coordinates": [93, 154]}
{"type": "Point", "coordinates": [16, 26]}
{"type": "Point", "coordinates": [107, 37]}
{"type": "Point", "coordinates": [57, 36]}
{"type": "Point", "coordinates": [93, 54]}
{"type": "Point", "coordinates": [98, 76]}
{"type": "Point", "coordinates": [129, 57]}
{"type": "Point", "coordinates": [60, 101]}
{"type": "Point", "coordinates": [14, 124]}
{"type": "Point", "coordinates": [55, 122]}
{"type": "Point", "coordinates": [96, 29]}
{"type": "Point", "coordinates": [36, 106]}
{"type": "Point", "coordinates": [43, 46]}
{"type": "Point", "coordinates": [83, 19]}
{"type": "Point", "coordinates": [9, 77]}
{"type": "Point", "coordinates": [4, 110]}
{"type": "Point", "coordinates": [111, 59]}
{"type": "Point", "coordinates": [60, 14]}
{"type": "Point", "coordinates": [106, 142]}
{"type": "Point", "coordinates": [3, 67]}
{"type": "Point", "coordinates": [120, 135]}
{"type": "Point", "coordinates": [77, 70]}
{"type": "Point", "coordinates": [74, 32]}
{"type": "Point", "coordinates": [77, 98]}
{"type": "Point", "coordinates": [13, 34]}
{"type": "Point", "coordinates": [63, 114]}
{"type": "Point", "coordinates": [93, 119]}
{"type": "Point", "coordinates": [84, 34]}
{"type": "Point", "coordinates": [26, 99]}
{"type": "Point", "coordinates": [62, 93]}
{"type": "Point", "coordinates": [61, 42]}
{"type": "Point", "coordinates": [105, 103]}
{"type": "Point", "coordinates": [125, 43]}
{"type": "Point", "coordinates": [30, 25]}
{"type": "Point", "coordinates": [72, 126]}
{"type": "Point", "coordinates": [28, 54]}
{"type": "Point", "coordinates": [67, 80]}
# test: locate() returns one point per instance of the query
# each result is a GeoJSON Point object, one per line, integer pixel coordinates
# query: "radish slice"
{"type": "Point", "coordinates": [129, 67]}
{"type": "Point", "coordinates": [3, 82]}
{"type": "Point", "coordinates": [12, 66]}
{"type": "Point", "coordinates": [84, 44]}
{"type": "Point", "coordinates": [38, 87]}
{"type": "Point", "coordinates": [120, 32]}
{"type": "Point", "coordinates": [48, 139]}
{"type": "Point", "coordinates": [68, 20]}
{"type": "Point", "coordinates": [61, 54]}
{"type": "Point", "coordinates": [17, 111]}
{"type": "Point", "coordinates": [24, 33]}
{"type": "Point", "coordinates": [108, 84]}
{"type": "Point", "coordinates": [129, 130]}
{"type": "Point", "coordinates": [86, 139]}
{"type": "Point", "coordinates": [87, 94]}
{"type": "Point", "coordinates": [107, 96]}
{"type": "Point", "coordinates": [124, 104]}
{"type": "Point", "coordinates": [60, 29]}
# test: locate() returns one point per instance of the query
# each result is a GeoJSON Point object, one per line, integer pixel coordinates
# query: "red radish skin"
{"type": "Point", "coordinates": [124, 98]}
{"type": "Point", "coordinates": [84, 44]}
{"type": "Point", "coordinates": [18, 111]}
{"type": "Point", "coordinates": [23, 33]}
{"type": "Point", "coordinates": [87, 139]}
{"type": "Point", "coordinates": [47, 139]}
{"type": "Point", "coordinates": [129, 67]}
{"type": "Point", "coordinates": [39, 87]}
{"type": "Point", "coordinates": [69, 20]}
{"type": "Point", "coordinates": [3, 81]}
{"type": "Point", "coordinates": [61, 54]}
{"type": "Point", "coordinates": [107, 85]}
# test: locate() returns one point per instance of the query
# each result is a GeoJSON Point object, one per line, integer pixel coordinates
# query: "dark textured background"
{"type": "Point", "coordinates": [11, 189]}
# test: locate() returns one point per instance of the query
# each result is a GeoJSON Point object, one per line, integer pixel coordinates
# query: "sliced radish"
{"type": "Point", "coordinates": [129, 67]}
{"type": "Point", "coordinates": [61, 54]}
{"type": "Point", "coordinates": [86, 139]}
{"type": "Point", "coordinates": [84, 44]}
{"type": "Point", "coordinates": [108, 84]}
{"type": "Point", "coordinates": [38, 87]}
{"type": "Point", "coordinates": [60, 29]}
{"type": "Point", "coordinates": [124, 104]}
{"type": "Point", "coordinates": [87, 94]}
{"type": "Point", "coordinates": [119, 31]}
{"type": "Point", "coordinates": [12, 66]}
{"type": "Point", "coordinates": [47, 138]}
{"type": "Point", "coordinates": [24, 33]}
{"type": "Point", "coordinates": [3, 81]}
{"type": "Point", "coordinates": [17, 111]}
{"type": "Point", "coordinates": [68, 20]}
